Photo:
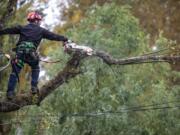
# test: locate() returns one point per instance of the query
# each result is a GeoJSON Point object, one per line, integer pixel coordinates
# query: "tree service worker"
{"type": "Point", "coordinates": [30, 38]}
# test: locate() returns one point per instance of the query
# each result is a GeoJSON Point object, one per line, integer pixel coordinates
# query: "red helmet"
{"type": "Point", "coordinates": [34, 16]}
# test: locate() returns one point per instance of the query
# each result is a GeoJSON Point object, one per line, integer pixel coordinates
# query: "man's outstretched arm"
{"type": "Point", "coordinates": [13, 30]}
{"type": "Point", "coordinates": [52, 36]}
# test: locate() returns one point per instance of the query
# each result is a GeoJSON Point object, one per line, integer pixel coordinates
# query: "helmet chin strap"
{"type": "Point", "coordinates": [38, 22]}
{"type": "Point", "coordinates": [35, 22]}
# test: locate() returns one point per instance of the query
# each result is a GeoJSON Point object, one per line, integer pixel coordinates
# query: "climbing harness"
{"type": "Point", "coordinates": [30, 49]}
{"type": "Point", "coordinates": [10, 61]}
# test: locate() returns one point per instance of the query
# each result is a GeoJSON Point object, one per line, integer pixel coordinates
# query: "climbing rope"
{"type": "Point", "coordinates": [4, 56]}
{"type": "Point", "coordinates": [50, 61]}
{"type": "Point", "coordinates": [163, 51]}
{"type": "Point", "coordinates": [4, 65]}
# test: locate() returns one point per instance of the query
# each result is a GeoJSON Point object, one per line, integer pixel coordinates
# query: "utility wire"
{"type": "Point", "coordinates": [158, 106]}
{"type": "Point", "coordinates": [123, 110]}
{"type": "Point", "coordinates": [143, 108]}
{"type": "Point", "coordinates": [94, 114]}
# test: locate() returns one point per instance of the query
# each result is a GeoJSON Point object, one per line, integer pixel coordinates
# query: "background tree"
{"type": "Point", "coordinates": [103, 88]}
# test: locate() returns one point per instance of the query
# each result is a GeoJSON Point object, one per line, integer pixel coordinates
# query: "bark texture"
{"type": "Point", "coordinates": [71, 70]}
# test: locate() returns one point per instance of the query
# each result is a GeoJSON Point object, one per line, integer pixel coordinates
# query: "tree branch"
{"type": "Point", "coordinates": [70, 71]}
{"type": "Point", "coordinates": [108, 59]}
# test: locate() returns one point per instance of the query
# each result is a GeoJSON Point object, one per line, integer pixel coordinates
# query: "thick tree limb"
{"type": "Point", "coordinates": [108, 59]}
{"type": "Point", "coordinates": [70, 71]}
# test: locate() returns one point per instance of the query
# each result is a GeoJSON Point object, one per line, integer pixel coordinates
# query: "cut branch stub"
{"type": "Point", "coordinates": [70, 71]}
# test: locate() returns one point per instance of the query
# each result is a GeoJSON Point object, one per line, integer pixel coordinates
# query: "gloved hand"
{"type": "Point", "coordinates": [65, 44]}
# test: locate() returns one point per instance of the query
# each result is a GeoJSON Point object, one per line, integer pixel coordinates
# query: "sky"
{"type": "Point", "coordinates": [52, 9]}
{"type": "Point", "coordinates": [54, 12]}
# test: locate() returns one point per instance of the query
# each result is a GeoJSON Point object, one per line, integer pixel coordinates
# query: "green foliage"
{"type": "Point", "coordinates": [103, 88]}
{"type": "Point", "coordinates": [103, 21]}
{"type": "Point", "coordinates": [3, 4]}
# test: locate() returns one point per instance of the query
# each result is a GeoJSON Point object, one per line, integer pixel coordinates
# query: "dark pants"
{"type": "Point", "coordinates": [17, 65]}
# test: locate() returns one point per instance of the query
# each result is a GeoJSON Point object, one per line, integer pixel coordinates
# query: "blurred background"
{"type": "Point", "coordinates": [123, 28]}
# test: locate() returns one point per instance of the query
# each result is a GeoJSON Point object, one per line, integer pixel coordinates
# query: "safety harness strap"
{"type": "Point", "coordinates": [26, 47]}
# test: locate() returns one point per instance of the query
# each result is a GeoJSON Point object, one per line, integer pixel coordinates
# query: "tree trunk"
{"type": "Point", "coordinates": [10, 10]}
{"type": "Point", "coordinates": [70, 71]}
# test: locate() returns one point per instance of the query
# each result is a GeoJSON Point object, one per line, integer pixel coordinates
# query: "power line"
{"type": "Point", "coordinates": [65, 115]}
{"type": "Point", "coordinates": [121, 111]}
{"type": "Point", "coordinates": [142, 108]}
{"type": "Point", "coordinates": [152, 107]}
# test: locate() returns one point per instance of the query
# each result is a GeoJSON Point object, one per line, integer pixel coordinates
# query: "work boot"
{"type": "Point", "coordinates": [34, 90]}
{"type": "Point", "coordinates": [10, 95]}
